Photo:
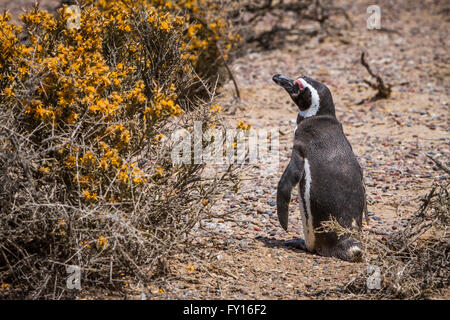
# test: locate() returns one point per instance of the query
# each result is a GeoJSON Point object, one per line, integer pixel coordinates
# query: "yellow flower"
{"type": "Point", "coordinates": [85, 244]}
{"type": "Point", "coordinates": [123, 175]}
{"type": "Point", "coordinates": [88, 158]}
{"type": "Point", "coordinates": [9, 92]}
{"type": "Point", "coordinates": [216, 108]}
{"type": "Point", "coordinates": [72, 118]}
{"type": "Point", "coordinates": [242, 125]}
{"type": "Point", "coordinates": [71, 160]}
{"type": "Point", "coordinates": [90, 89]}
{"type": "Point", "coordinates": [164, 26]}
{"type": "Point", "coordinates": [190, 268]}
{"type": "Point", "coordinates": [159, 171]}
{"type": "Point", "coordinates": [179, 20]}
{"type": "Point", "coordinates": [23, 71]}
{"type": "Point", "coordinates": [5, 285]}
{"type": "Point", "coordinates": [104, 164]}
{"type": "Point", "coordinates": [102, 242]}
{"type": "Point", "coordinates": [112, 199]}
{"type": "Point", "coordinates": [191, 31]}
{"type": "Point", "coordinates": [138, 175]}
{"type": "Point", "coordinates": [125, 136]}
{"type": "Point", "coordinates": [44, 170]}
{"type": "Point", "coordinates": [89, 196]}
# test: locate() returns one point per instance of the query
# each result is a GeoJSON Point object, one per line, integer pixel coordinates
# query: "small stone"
{"type": "Point", "coordinates": [243, 291]}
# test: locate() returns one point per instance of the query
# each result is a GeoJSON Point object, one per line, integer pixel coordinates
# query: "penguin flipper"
{"type": "Point", "coordinates": [290, 178]}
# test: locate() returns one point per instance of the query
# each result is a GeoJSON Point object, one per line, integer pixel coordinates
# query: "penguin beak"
{"type": "Point", "coordinates": [287, 83]}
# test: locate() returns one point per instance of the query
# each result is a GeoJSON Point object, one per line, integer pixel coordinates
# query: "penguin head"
{"type": "Point", "coordinates": [312, 97]}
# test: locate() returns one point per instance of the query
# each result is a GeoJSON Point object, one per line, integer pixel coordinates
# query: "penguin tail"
{"type": "Point", "coordinates": [349, 249]}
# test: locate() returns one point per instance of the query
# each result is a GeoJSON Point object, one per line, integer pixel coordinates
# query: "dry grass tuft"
{"type": "Point", "coordinates": [414, 261]}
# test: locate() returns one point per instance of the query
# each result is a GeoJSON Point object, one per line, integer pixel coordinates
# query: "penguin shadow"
{"type": "Point", "coordinates": [296, 244]}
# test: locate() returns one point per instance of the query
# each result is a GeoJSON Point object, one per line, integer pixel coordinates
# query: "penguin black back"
{"type": "Point", "coordinates": [326, 169]}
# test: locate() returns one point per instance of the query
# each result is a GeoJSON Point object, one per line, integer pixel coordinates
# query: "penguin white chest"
{"type": "Point", "coordinates": [305, 209]}
{"type": "Point", "coordinates": [295, 130]}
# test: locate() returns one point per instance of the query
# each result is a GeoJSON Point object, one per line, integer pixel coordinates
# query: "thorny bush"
{"type": "Point", "coordinates": [86, 117]}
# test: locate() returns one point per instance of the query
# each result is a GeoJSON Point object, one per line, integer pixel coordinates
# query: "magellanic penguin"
{"type": "Point", "coordinates": [323, 164]}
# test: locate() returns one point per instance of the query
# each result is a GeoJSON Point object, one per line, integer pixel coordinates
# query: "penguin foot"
{"type": "Point", "coordinates": [298, 243]}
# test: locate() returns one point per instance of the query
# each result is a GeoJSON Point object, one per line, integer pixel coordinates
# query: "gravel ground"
{"type": "Point", "coordinates": [251, 256]}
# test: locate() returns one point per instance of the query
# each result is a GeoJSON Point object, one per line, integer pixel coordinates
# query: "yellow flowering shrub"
{"type": "Point", "coordinates": [87, 113]}
{"type": "Point", "coordinates": [82, 80]}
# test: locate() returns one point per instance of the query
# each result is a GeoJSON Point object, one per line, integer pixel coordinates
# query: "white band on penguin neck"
{"type": "Point", "coordinates": [315, 100]}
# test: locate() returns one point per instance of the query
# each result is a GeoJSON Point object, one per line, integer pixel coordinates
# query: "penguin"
{"type": "Point", "coordinates": [327, 171]}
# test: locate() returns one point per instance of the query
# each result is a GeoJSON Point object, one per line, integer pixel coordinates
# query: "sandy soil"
{"type": "Point", "coordinates": [250, 256]}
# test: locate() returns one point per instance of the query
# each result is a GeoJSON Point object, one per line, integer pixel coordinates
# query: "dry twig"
{"type": "Point", "coordinates": [383, 90]}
